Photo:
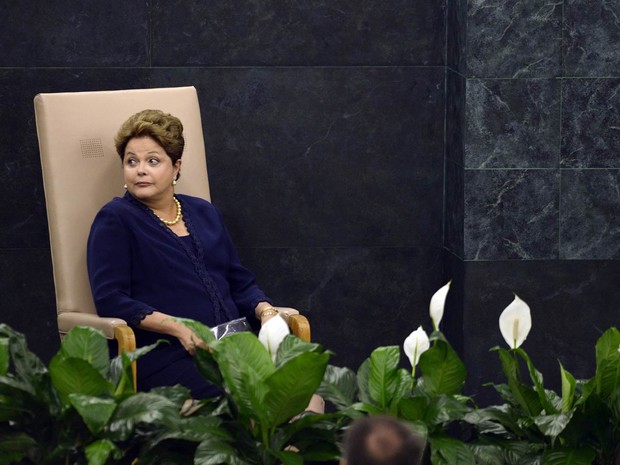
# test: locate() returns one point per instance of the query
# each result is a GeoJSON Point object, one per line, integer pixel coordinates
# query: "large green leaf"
{"type": "Point", "coordinates": [608, 344]}
{"type": "Point", "coordinates": [339, 386]}
{"type": "Point", "coordinates": [384, 380]}
{"type": "Point", "coordinates": [404, 386]}
{"type": "Point", "coordinates": [17, 400]}
{"type": "Point", "coordinates": [608, 375]}
{"type": "Point", "coordinates": [537, 381]}
{"type": "Point", "coordinates": [553, 425]}
{"type": "Point", "coordinates": [142, 407]}
{"type": "Point", "coordinates": [291, 346]}
{"type": "Point", "coordinates": [608, 362]}
{"type": "Point", "coordinates": [450, 451]}
{"type": "Point", "coordinates": [568, 389]}
{"type": "Point", "coordinates": [215, 451]}
{"type": "Point", "coordinates": [98, 452]}
{"type": "Point", "coordinates": [314, 435]}
{"type": "Point", "coordinates": [496, 419]}
{"type": "Point", "coordinates": [413, 408]}
{"type": "Point", "coordinates": [290, 458]}
{"type": "Point", "coordinates": [442, 369]}
{"type": "Point", "coordinates": [292, 385]}
{"type": "Point", "coordinates": [121, 374]}
{"type": "Point", "coordinates": [29, 369]}
{"type": "Point", "coordinates": [525, 396]}
{"type": "Point", "coordinates": [568, 456]}
{"type": "Point", "coordinates": [444, 409]}
{"type": "Point", "coordinates": [15, 443]}
{"type": "Point", "coordinates": [95, 411]}
{"type": "Point", "coordinates": [199, 428]}
{"type": "Point", "coordinates": [4, 355]}
{"type": "Point", "coordinates": [614, 405]}
{"type": "Point", "coordinates": [76, 375]}
{"type": "Point", "coordinates": [208, 367]}
{"type": "Point", "coordinates": [88, 344]}
{"type": "Point", "coordinates": [363, 382]}
{"type": "Point", "coordinates": [487, 454]}
{"type": "Point", "coordinates": [245, 364]}
{"type": "Point", "coordinates": [26, 364]}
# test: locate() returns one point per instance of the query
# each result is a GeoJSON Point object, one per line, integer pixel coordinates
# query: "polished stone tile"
{"type": "Point", "coordinates": [324, 32]}
{"type": "Point", "coordinates": [20, 168]}
{"type": "Point", "coordinates": [355, 298]}
{"type": "Point", "coordinates": [455, 116]}
{"type": "Point", "coordinates": [591, 38]}
{"type": "Point", "coordinates": [591, 123]}
{"type": "Point", "coordinates": [512, 123]}
{"type": "Point", "coordinates": [456, 24]}
{"type": "Point", "coordinates": [570, 306]}
{"type": "Point", "coordinates": [72, 33]}
{"type": "Point", "coordinates": [324, 156]}
{"type": "Point", "coordinates": [514, 38]}
{"type": "Point", "coordinates": [454, 209]}
{"type": "Point", "coordinates": [511, 214]}
{"type": "Point", "coordinates": [27, 298]}
{"type": "Point", "coordinates": [590, 214]}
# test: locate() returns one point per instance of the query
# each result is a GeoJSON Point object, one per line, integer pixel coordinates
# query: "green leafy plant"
{"type": "Point", "coordinates": [83, 410]}
{"type": "Point", "coordinates": [580, 426]}
{"type": "Point", "coordinates": [264, 400]}
{"type": "Point", "coordinates": [431, 403]}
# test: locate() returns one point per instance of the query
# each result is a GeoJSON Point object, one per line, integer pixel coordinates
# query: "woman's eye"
{"type": "Point", "coordinates": [131, 162]}
{"type": "Point", "coordinates": [153, 161]}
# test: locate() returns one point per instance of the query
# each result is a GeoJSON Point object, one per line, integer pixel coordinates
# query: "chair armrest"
{"type": "Point", "coordinates": [299, 324]}
{"type": "Point", "coordinates": [112, 328]}
{"type": "Point", "coordinates": [68, 320]}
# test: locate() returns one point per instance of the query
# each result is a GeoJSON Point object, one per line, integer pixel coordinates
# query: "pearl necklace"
{"type": "Point", "coordinates": [176, 218]}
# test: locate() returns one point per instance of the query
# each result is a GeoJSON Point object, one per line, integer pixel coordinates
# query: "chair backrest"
{"type": "Point", "coordinates": [82, 171]}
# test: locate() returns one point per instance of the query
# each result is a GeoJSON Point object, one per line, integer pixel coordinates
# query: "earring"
{"type": "Point", "coordinates": [125, 186]}
{"type": "Point", "coordinates": [174, 182]}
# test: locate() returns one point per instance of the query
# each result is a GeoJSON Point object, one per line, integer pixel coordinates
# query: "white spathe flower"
{"type": "Point", "coordinates": [438, 302]}
{"type": "Point", "coordinates": [272, 333]}
{"type": "Point", "coordinates": [515, 323]}
{"type": "Point", "coordinates": [415, 345]}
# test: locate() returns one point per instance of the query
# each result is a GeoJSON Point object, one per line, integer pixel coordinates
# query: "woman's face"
{"type": "Point", "coordinates": [148, 170]}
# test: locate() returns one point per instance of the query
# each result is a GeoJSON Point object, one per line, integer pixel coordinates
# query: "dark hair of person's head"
{"type": "Point", "coordinates": [382, 440]}
{"type": "Point", "coordinates": [163, 128]}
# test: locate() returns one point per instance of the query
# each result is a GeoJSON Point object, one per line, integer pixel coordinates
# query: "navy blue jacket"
{"type": "Point", "coordinates": [137, 265]}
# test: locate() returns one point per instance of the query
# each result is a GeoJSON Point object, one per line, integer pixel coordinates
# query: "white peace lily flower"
{"type": "Point", "coordinates": [438, 302]}
{"type": "Point", "coordinates": [515, 323]}
{"type": "Point", "coordinates": [272, 333]}
{"type": "Point", "coordinates": [415, 345]}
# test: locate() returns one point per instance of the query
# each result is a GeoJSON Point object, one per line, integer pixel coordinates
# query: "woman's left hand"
{"type": "Point", "coordinates": [265, 311]}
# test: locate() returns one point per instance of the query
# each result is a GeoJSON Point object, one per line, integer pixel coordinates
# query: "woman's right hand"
{"type": "Point", "coordinates": [165, 324]}
{"type": "Point", "coordinates": [189, 340]}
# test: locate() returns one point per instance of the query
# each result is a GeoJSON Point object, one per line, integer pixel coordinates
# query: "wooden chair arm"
{"type": "Point", "coordinates": [299, 324]}
{"type": "Point", "coordinates": [112, 328]}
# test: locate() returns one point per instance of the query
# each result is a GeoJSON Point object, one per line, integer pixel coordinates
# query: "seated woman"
{"type": "Point", "coordinates": [153, 255]}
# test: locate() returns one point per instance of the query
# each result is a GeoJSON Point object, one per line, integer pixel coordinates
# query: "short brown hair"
{"type": "Point", "coordinates": [165, 129]}
{"type": "Point", "coordinates": [382, 440]}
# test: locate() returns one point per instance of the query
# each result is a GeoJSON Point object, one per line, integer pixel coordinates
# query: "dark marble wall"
{"type": "Point", "coordinates": [533, 174]}
{"type": "Point", "coordinates": [324, 127]}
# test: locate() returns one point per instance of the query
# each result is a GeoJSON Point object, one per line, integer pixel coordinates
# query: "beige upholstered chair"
{"type": "Point", "coordinates": [81, 172]}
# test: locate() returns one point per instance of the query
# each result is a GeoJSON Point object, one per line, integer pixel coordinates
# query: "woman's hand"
{"type": "Point", "coordinates": [264, 312]}
{"type": "Point", "coordinates": [189, 340]}
{"type": "Point", "coordinates": [165, 324]}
